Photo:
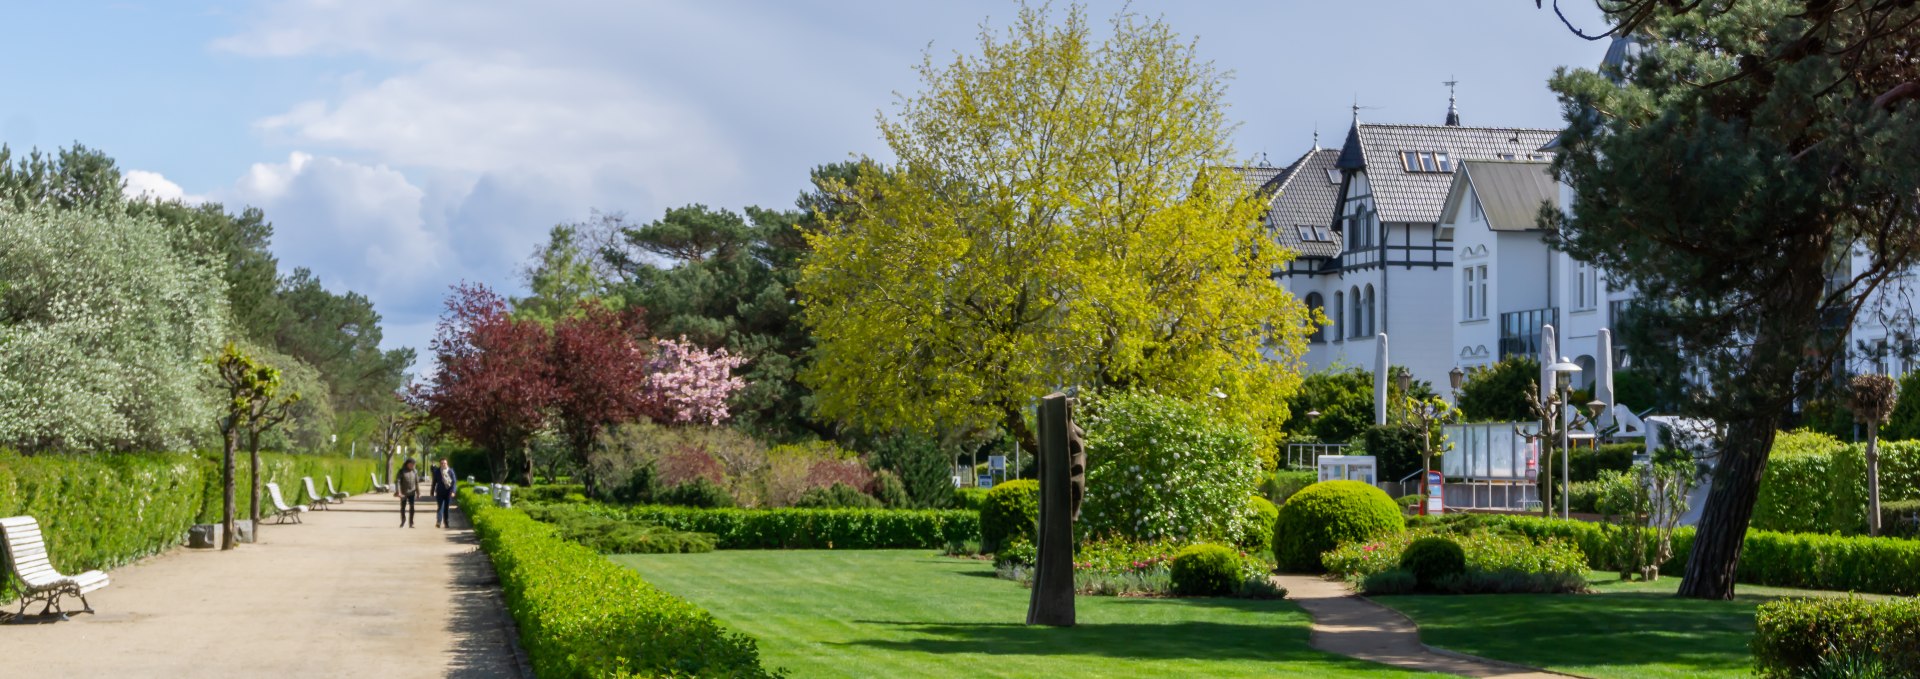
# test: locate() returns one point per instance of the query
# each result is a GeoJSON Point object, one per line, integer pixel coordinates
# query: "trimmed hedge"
{"type": "Point", "coordinates": [1282, 484]}
{"type": "Point", "coordinates": [1010, 511]}
{"type": "Point", "coordinates": [1817, 484]}
{"type": "Point", "coordinates": [1796, 637]}
{"type": "Point", "coordinates": [1805, 560]}
{"type": "Point", "coordinates": [816, 528]}
{"type": "Point", "coordinates": [1587, 463]}
{"type": "Point", "coordinates": [1258, 537]}
{"type": "Point", "coordinates": [581, 615]}
{"type": "Point", "coordinates": [1205, 570]}
{"type": "Point", "coordinates": [1325, 514]}
{"type": "Point", "coordinates": [105, 510]}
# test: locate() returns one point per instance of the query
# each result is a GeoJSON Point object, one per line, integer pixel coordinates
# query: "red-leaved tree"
{"type": "Point", "coordinates": [493, 386]}
{"type": "Point", "coordinates": [597, 364]}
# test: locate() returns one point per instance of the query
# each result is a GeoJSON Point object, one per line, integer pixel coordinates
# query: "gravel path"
{"type": "Point", "coordinates": [1350, 625]}
{"type": "Point", "coordinates": [345, 593]}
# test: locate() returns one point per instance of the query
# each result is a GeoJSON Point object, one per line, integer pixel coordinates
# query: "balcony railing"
{"type": "Point", "coordinates": [1520, 330]}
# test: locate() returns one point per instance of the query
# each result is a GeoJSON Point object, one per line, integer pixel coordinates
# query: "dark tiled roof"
{"type": "Point", "coordinates": [1511, 192]}
{"type": "Point", "coordinates": [1417, 197]}
{"type": "Point", "coordinates": [1304, 197]}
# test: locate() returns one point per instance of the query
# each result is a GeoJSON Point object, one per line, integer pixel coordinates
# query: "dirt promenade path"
{"type": "Point", "coordinates": [1352, 626]}
{"type": "Point", "coordinates": [345, 593]}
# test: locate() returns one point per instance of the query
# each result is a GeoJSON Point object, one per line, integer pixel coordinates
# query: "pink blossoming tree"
{"type": "Point", "coordinates": [687, 384]}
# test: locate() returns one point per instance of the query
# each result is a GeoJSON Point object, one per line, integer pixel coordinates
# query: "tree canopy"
{"type": "Point", "coordinates": [1059, 215]}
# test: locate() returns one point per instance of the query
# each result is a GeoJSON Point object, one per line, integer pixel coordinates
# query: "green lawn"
{"type": "Point", "coordinates": [910, 613]}
{"type": "Point", "coordinates": [1625, 630]}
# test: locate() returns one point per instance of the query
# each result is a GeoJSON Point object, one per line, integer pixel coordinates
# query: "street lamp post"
{"type": "Point", "coordinates": [1563, 373]}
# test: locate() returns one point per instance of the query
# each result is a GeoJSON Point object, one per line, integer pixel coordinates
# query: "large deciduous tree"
{"type": "Point", "coordinates": [493, 386]}
{"type": "Point", "coordinates": [1058, 216]}
{"type": "Point", "coordinates": [597, 365]}
{"type": "Point", "coordinates": [1728, 176]}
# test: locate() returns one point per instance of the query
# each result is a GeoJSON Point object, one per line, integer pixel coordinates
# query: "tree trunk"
{"type": "Point", "coordinates": [1016, 424]}
{"type": "Point", "coordinates": [253, 485]}
{"type": "Point", "coordinates": [226, 486]}
{"type": "Point", "coordinates": [1715, 558]}
{"type": "Point", "coordinates": [1873, 479]}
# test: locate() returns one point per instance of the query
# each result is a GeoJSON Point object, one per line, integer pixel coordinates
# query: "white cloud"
{"type": "Point", "coordinates": [355, 225]}
{"type": "Point", "coordinates": [145, 185]}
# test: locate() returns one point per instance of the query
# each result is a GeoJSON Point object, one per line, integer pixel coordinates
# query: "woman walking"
{"type": "Point", "coordinates": [406, 486]}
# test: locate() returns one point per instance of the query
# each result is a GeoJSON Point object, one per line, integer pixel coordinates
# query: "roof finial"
{"type": "Point", "coordinates": [1356, 108]}
{"type": "Point", "coordinates": [1263, 160]}
{"type": "Point", "coordinates": [1316, 136]}
{"type": "Point", "coordinates": [1453, 109]}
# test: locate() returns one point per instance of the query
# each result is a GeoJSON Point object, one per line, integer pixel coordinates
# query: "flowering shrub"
{"type": "Point", "coordinates": [686, 383]}
{"type": "Point", "coordinates": [1160, 468]}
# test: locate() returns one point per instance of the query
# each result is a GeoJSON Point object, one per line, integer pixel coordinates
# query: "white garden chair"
{"type": "Point", "coordinates": [334, 493]}
{"type": "Point", "coordinates": [26, 550]}
{"type": "Point", "coordinates": [314, 500]}
{"type": "Point", "coordinates": [379, 487]}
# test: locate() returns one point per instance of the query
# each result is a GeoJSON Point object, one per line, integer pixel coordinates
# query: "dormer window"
{"type": "Point", "coordinates": [1333, 175]}
{"type": "Point", "coordinates": [1426, 161]}
{"type": "Point", "coordinates": [1313, 234]}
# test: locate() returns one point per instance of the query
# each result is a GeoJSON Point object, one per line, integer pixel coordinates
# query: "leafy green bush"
{"type": "Point", "coordinates": [970, 498]}
{"type": "Point", "coordinates": [888, 489]}
{"type": "Point", "coordinates": [698, 492]}
{"type": "Point", "coordinates": [110, 509]}
{"type": "Point", "coordinates": [548, 493]}
{"type": "Point", "coordinates": [1817, 484]}
{"type": "Point", "coordinates": [1586, 464]}
{"type": "Point", "coordinates": [815, 528]}
{"type": "Point", "coordinates": [1205, 570]}
{"type": "Point", "coordinates": [1503, 392]}
{"type": "Point", "coordinates": [1326, 514]}
{"type": "Point", "coordinates": [1018, 551]}
{"type": "Point", "coordinates": [1161, 468]}
{"type": "Point", "coordinates": [1258, 536]}
{"type": "Point", "coordinates": [611, 535]}
{"type": "Point", "coordinates": [1900, 518]}
{"type": "Point", "coordinates": [1397, 448]}
{"type": "Point", "coordinates": [837, 496]}
{"type": "Point", "coordinates": [1799, 637]}
{"type": "Point", "coordinates": [1432, 558]}
{"type": "Point", "coordinates": [581, 615]}
{"type": "Point", "coordinates": [1278, 485]}
{"type": "Point", "coordinates": [1904, 423]}
{"type": "Point", "coordinates": [1494, 563]}
{"type": "Point", "coordinates": [1010, 510]}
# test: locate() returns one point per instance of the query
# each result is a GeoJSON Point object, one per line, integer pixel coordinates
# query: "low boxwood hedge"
{"type": "Point", "coordinates": [109, 509]}
{"type": "Point", "coordinates": [817, 528]}
{"type": "Point", "coordinates": [581, 615]}
{"type": "Point", "coordinates": [1798, 637]}
{"type": "Point", "coordinates": [1805, 560]}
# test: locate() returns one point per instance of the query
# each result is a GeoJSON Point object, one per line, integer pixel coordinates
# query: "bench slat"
{"type": "Point", "coordinates": [27, 533]}
{"type": "Point", "coordinates": [27, 552]}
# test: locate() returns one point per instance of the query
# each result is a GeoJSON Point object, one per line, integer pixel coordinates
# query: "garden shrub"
{"type": "Point", "coordinates": [1018, 551]}
{"type": "Point", "coordinates": [1587, 463]}
{"type": "Point", "coordinates": [1390, 581]}
{"type": "Point", "coordinates": [970, 498]}
{"type": "Point", "coordinates": [610, 535]}
{"type": "Point", "coordinates": [700, 492]}
{"type": "Point", "coordinates": [1326, 514]}
{"type": "Point", "coordinates": [1258, 535]}
{"type": "Point", "coordinates": [1397, 448]}
{"type": "Point", "coordinates": [1205, 570]}
{"type": "Point", "coordinates": [548, 493]}
{"type": "Point", "coordinates": [1798, 637]}
{"type": "Point", "coordinates": [1432, 558]}
{"type": "Point", "coordinates": [922, 464]}
{"type": "Point", "coordinates": [581, 615]}
{"type": "Point", "coordinates": [815, 528]}
{"type": "Point", "coordinates": [105, 510]}
{"type": "Point", "coordinates": [1010, 510]}
{"type": "Point", "coordinates": [1162, 468]}
{"type": "Point", "coordinates": [838, 496]}
{"type": "Point", "coordinates": [1502, 392]}
{"type": "Point", "coordinates": [1898, 518]}
{"type": "Point", "coordinates": [889, 490]}
{"type": "Point", "coordinates": [1494, 563]}
{"type": "Point", "coordinates": [1282, 484]}
{"type": "Point", "coordinates": [1817, 484]}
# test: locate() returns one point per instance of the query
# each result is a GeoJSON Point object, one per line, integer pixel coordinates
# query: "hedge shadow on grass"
{"type": "Point", "coordinates": [1131, 641]}
{"type": "Point", "coordinates": [1578, 630]}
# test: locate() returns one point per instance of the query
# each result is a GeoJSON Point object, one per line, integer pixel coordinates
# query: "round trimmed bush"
{"type": "Point", "coordinates": [1259, 532]}
{"type": "Point", "coordinates": [1431, 559]}
{"type": "Point", "coordinates": [1205, 570]}
{"type": "Point", "coordinates": [1325, 514]}
{"type": "Point", "coordinates": [1009, 511]}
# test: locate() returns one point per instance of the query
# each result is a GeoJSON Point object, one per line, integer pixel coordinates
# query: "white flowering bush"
{"type": "Point", "coordinates": [1159, 468]}
{"type": "Point", "coordinates": [103, 332]}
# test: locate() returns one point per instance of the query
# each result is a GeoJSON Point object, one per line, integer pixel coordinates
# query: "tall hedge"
{"type": "Point", "coordinates": [581, 615]}
{"type": "Point", "coordinates": [1817, 484]}
{"type": "Point", "coordinates": [109, 509]}
{"type": "Point", "coordinates": [817, 528]}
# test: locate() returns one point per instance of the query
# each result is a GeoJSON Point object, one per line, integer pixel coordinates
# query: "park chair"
{"type": "Point", "coordinates": [281, 511]}
{"type": "Point", "coordinates": [314, 500]}
{"type": "Point", "coordinates": [26, 549]}
{"type": "Point", "coordinates": [379, 487]}
{"type": "Point", "coordinates": [334, 493]}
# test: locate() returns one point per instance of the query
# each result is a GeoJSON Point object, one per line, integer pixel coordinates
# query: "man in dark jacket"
{"type": "Point", "coordinates": [443, 484]}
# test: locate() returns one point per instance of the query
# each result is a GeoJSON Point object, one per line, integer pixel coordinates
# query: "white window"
{"type": "Point", "coordinates": [1466, 293]}
{"type": "Point", "coordinates": [1480, 293]}
{"type": "Point", "coordinates": [1586, 286]}
{"type": "Point", "coordinates": [1358, 317]}
{"type": "Point", "coordinates": [1339, 315]}
{"type": "Point", "coordinates": [1371, 328]}
{"type": "Point", "coordinates": [1473, 203]}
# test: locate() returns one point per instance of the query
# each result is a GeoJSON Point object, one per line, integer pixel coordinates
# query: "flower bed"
{"type": "Point", "coordinates": [1494, 563]}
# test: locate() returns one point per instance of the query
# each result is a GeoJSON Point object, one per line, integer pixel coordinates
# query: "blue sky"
{"type": "Point", "coordinates": [402, 146]}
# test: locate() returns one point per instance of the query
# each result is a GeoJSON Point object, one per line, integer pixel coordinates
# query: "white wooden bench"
{"type": "Point", "coordinates": [334, 493]}
{"type": "Point", "coordinates": [281, 511]}
{"type": "Point", "coordinates": [315, 500]}
{"type": "Point", "coordinates": [379, 487]}
{"type": "Point", "coordinates": [27, 556]}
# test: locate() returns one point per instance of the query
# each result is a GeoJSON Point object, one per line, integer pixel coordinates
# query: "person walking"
{"type": "Point", "coordinates": [444, 482]}
{"type": "Point", "coordinates": [406, 486]}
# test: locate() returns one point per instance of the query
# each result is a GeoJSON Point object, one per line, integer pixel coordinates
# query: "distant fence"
{"type": "Point", "coordinates": [1303, 455]}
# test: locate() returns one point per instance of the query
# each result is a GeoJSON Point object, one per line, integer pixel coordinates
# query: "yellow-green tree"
{"type": "Point", "coordinates": [1059, 215]}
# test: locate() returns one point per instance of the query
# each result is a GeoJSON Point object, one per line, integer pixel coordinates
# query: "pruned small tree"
{"type": "Point", "coordinates": [1873, 398]}
{"type": "Point", "coordinates": [251, 387]}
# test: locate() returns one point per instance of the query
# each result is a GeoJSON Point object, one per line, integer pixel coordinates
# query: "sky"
{"type": "Point", "coordinates": [402, 146]}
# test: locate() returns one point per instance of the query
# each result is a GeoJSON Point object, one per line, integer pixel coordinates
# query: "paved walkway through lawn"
{"type": "Point", "coordinates": [1349, 625]}
{"type": "Point", "coordinates": [347, 593]}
